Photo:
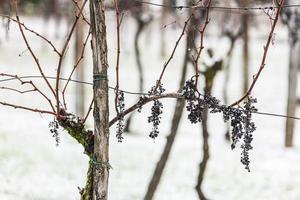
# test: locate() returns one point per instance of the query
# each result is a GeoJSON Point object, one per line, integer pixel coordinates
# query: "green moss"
{"type": "Point", "coordinates": [87, 192]}
{"type": "Point", "coordinates": [76, 129]}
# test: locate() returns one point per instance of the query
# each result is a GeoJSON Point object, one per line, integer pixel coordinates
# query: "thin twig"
{"type": "Point", "coordinates": [263, 61]}
{"type": "Point", "coordinates": [173, 52]}
{"type": "Point", "coordinates": [118, 54]}
{"type": "Point", "coordinates": [75, 67]}
{"type": "Point", "coordinates": [63, 54]}
{"type": "Point", "coordinates": [89, 111]}
{"type": "Point", "coordinates": [30, 50]}
{"type": "Point", "coordinates": [32, 31]}
{"type": "Point", "coordinates": [27, 108]}
{"type": "Point", "coordinates": [16, 90]}
{"type": "Point", "coordinates": [196, 61]}
{"type": "Point", "coordinates": [35, 88]}
{"type": "Point", "coordinates": [82, 15]}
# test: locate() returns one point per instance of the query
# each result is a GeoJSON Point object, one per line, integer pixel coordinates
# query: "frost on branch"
{"type": "Point", "coordinates": [240, 118]}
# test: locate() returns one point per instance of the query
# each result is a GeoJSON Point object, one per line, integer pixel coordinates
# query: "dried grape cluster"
{"type": "Point", "coordinates": [120, 124]}
{"type": "Point", "coordinates": [141, 102]}
{"type": "Point", "coordinates": [195, 104]}
{"type": "Point", "coordinates": [249, 129]}
{"type": "Point", "coordinates": [240, 117]}
{"type": "Point", "coordinates": [156, 110]}
{"type": "Point", "coordinates": [54, 126]}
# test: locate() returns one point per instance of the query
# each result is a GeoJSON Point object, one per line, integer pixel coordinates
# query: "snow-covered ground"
{"type": "Point", "coordinates": [33, 168]}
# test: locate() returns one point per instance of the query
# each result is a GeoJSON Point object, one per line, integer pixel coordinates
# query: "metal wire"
{"type": "Point", "coordinates": [277, 115]}
{"type": "Point", "coordinates": [218, 7]}
{"type": "Point", "coordinates": [133, 93]}
{"type": "Point", "coordinates": [71, 80]}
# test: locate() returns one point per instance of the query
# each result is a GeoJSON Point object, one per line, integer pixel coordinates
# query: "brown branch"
{"type": "Point", "coordinates": [63, 54]}
{"type": "Point", "coordinates": [82, 15]}
{"type": "Point", "coordinates": [32, 31]}
{"type": "Point", "coordinates": [35, 88]}
{"type": "Point", "coordinates": [118, 22]}
{"type": "Point", "coordinates": [30, 50]}
{"type": "Point", "coordinates": [196, 61]}
{"type": "Point", "coordinates": [143, 101]}
{"type": "Point", "coordinates": [16, 90]}
{"type": "Point", "coordinates": [173, 52]}
{"type": "Point", "coordinates": [263, 61]}
{"type": "Point", "coordinates": [27, 108]}
{"type": "Point", "coordinates": [89, 111]}
{"type": "Point", "coordinates": [75, 67]}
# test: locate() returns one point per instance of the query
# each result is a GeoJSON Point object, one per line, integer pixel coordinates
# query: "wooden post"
{"type": "Point", "coordinates": [245, 37]}
{"type": "Point", "coordinates": [291, 17]}
{"type": "Point", "coordinates": [292, 89]}
{"type": "Point", "coordinates": [80, 92]}
{"type": "Point", "coordinates": [101, 110]}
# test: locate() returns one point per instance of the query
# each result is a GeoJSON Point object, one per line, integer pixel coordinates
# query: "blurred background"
{"type": "Point", "coordinates": [33, 167]}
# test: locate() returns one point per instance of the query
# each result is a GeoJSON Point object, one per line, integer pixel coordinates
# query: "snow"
{"type": "Point", "coordinates": [33, 168]}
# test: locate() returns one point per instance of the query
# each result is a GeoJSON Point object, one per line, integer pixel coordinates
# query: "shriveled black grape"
{"type": "Point", "coordinates": [240, 118]}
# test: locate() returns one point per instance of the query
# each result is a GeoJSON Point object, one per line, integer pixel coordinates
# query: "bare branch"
{"type": "Point", "coordinates": [32, 31]}
{"type": "Point", "coordinates": [82, 15]}
{"type": "Point", "coordinates": [30, 50]}
{"type": "Point", "coordinates": [89, 111]}
{"type": "Point", "coordinates": [16, 90]}
{"type": "Point", "coordinates": [118, 22]}
{"type": "Point", "coordinates": [27, 108]}
{"type": "Point", "coordinates": [263, 61]}
{"type": "Point", "coordinates": [35, 88]}
{"type": "Point", "coordinates": [173, 52]}
{"type": "Point", "coordinates": [75, 67]}
{"type": "Point", "coordinates": [63, 54]}
{"type": "Point", "coordinates": [143, 101]}
{"type": "Point", "coordinates": [196, 61]}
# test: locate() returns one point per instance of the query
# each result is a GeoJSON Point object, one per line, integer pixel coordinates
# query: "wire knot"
{"type": "Point", "coordinates": [102, 164]}
{"type": "Point", "coordinates": [99, 77]}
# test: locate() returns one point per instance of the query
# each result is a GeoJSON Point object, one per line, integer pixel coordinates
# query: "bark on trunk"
{"type": "Point", "coordinates": [101, 110]}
